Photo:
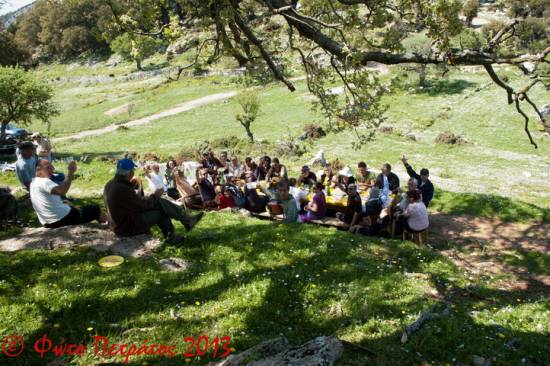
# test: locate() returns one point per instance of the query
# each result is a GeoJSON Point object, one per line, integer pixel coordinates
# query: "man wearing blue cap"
{"type": "Point", "coordinates": [132, 214]}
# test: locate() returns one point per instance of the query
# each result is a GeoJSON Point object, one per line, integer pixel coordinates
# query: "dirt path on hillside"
{"type": "Point", "coordinates": [490, 247]}
{"type": "Point", "coordinates": [184, 107]}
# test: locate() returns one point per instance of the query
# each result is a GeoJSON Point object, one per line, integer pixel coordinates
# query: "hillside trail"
{"type": "Point", "coordinates": [184, 107]}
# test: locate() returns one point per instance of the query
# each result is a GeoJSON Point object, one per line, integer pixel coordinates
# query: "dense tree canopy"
{"type": "Point", "coordinates": [335, 41]}
{"type": "Point", "coordinates": [64, 28]}
{"type": "Point", "coordinates": [23, 98]}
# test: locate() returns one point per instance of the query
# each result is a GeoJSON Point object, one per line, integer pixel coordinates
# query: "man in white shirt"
{"type": "Point", "coordinates": [46, 198]}
{"type": "Point", "coordinates": [156, 182]}
{"type": "Point", "coordinates": [234, 168]}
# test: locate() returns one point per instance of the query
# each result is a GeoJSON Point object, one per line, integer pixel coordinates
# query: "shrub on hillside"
{"type": "Point", "coordinates": [470, 10]}
{"type": "Point", "coordinates": [450, 138]}
{"type": "Point", "coordinates": [533, 34]}
{"type": "Point", "coordinates": [538, 7]}
{"type": "Point", "coordinates": [469, 39]}
{"type": "Point", "coordinates": [250, 104]}
{"type": "Point", "coordinates": [136, 48]}
{"type": "Point", "coordinates": [517, 9]}
{"type": "Point", "coordinates": [290, 145]}
{"type": "Point", "coordinates": [312, 131]}
{"type": "Point", "coordinates": [419, 45]}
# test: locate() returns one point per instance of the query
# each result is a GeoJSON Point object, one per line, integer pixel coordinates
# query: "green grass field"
{"type": "Point", "coordinates": [254, 280]}
{"type": "Point", "coordinates": [497, 159]}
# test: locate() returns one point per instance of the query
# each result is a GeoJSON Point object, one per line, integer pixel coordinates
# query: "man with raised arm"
{"type": "Point", "coordinates": [47, 199]}
{"type": "Point", "coordinates": [425, 185]}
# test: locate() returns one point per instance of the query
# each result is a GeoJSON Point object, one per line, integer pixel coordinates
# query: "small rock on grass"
{"type": "Point", "coordinates": [174, 264]}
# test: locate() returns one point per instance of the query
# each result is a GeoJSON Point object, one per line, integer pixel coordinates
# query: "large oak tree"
{"type": "Point", "coordinates": [335, 41]}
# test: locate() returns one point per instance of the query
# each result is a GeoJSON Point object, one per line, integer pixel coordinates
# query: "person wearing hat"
{"type": "Point", "coordinates": [387, 181]}
{"type": "Point", "coordinates": [43, 146]}
{"type": "Point", "coordinates": [49, 205]}
{"type": "Point", "coordinates": [25, 167]}
{"type": "Point", "coordinates": [345, 178]}
{"type": "Point", "coordinates": [425, 186]}
{"type": "Point", "coordinates": [132, 214]}
{"type": "Point", "coordinates": [307, 177]}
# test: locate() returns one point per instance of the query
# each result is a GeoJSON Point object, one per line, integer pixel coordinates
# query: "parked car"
{"type": "Point", "coordinates": [15, 132]}
{"type": "Point", "coordinates": [14, 135]}
{"type": "Point", "coordinates": [8, 146]}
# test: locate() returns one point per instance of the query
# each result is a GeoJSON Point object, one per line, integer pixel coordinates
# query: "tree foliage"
{"type": "Point", "coordinates": [11, 53]}
{"type": "Point", "coordinates": [135, 48]}
{"type": "Point", "coordinates": [23, 98]}
{"type": "Point", "coordinates": [335, 41]}
{"type": "Point", "coordinates": [64, 29]}
{"type": "Point", "coordinates": [250, 105]}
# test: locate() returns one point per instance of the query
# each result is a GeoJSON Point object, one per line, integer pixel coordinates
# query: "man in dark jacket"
{"type": "Point", "coordinates": [424, 184]}
{"type": "Point", "coordinates": [132, 214]}
{"type": "Point", "coordinates": [387, 177]}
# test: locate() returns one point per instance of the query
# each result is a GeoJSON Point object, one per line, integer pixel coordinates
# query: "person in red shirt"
{"type": "Point", "coordinates": [224, 198]}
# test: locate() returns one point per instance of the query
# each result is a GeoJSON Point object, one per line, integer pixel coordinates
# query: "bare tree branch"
{"type": "Point", "coordinates": [526, 127]}
{"type": "Point", "coordinates": [256, 42]}
{"type": "Point", "coordinates": [499, 82]}
{"type": "Point", "coordinates": [197, 55]}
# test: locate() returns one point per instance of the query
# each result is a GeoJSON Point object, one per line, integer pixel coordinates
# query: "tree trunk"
{"type": "Point", "coordinates": [249, 133]}
{"type": "Point", "coordinates": [422, 76]}
{"type": "Point", "coordinates": [138, 63]}
{"type": "Point", "coordinates": [3, 132]}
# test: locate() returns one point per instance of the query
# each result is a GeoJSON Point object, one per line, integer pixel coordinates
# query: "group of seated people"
{"type": "Point", "coordinates": [222, 183]}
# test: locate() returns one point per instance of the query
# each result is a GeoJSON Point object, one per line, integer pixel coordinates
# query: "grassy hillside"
{"type": "Point", "coordinates": [497, 159]}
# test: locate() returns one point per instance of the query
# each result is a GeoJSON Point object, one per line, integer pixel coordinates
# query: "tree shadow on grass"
{"type": "Point", "coordinates": [298, 281]}
{"type": "Point", "coordinates": [445, 87]}
{"type": "Point", "coordinates": [155, 66]}
{"type": "Point", "coordinates": [90, 156]}
{"type": "Point", "coordinates": [488, 205]}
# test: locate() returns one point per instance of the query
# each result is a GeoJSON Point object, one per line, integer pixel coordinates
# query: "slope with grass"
{"type": "Point", "coordinates": [496, 160]}
{"type": "Point", "coordinates": [254, 281]}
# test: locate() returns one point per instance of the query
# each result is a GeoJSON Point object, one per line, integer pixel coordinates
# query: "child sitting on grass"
{"type": "Point", "coordinates": [317, 208]}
